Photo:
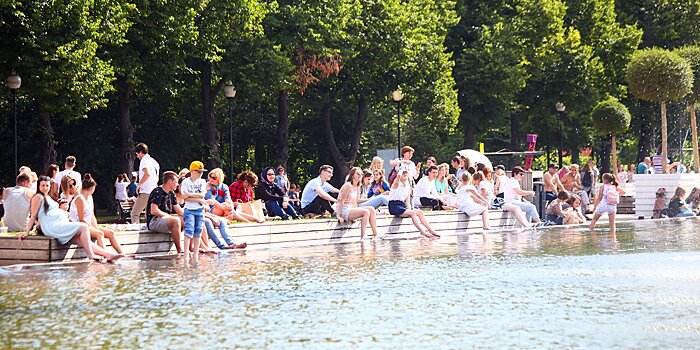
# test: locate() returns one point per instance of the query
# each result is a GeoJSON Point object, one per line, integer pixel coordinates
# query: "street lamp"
{"type": "Point", "coordinates": [13, 82]}
{"type": "Point", "coordinates": [560, 111]}
{"type": "Point", "coordinates": [397, 96]}
{"type": "Point", "coordinates": [230, 93]}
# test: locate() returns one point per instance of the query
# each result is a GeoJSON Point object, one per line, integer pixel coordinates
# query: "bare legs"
{"type": "Point", "coordinates": [417, 217]}
{"type": "Point", "coordinates": [485, 219]}
{"type": "Point", "coordinates": [611, 219]}
{"type": "Point", "coordinates": [101, 233]}
{"type": "Point", "coordinates": [367, 215]}
{"type": "Point", "coordinates": [175, 226]}
{"type": "Point", "coordinates": [518, 213]}
{"type": "Point", "coordinates": [84, 240]}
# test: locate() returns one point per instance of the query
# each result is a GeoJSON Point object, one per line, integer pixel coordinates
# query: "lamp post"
{"type": "Point", "coordinates": [397, 96]}
{"type": "Point", "coordinates": [560, 113]}
{"type": "Point", "coordinates": [13, 83]}
{"type": "Point", "coordinates": [230, 93]}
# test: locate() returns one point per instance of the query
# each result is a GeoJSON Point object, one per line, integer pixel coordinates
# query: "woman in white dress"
{"type": "Point", "coordinates": [470, 202]}
{"type": "Point", "coordinates": [54, 223]}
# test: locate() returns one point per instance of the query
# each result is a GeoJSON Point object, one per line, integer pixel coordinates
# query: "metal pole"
{"type": "Point", "coordinates": [230, 139]}
{"type": "Point", "coordinates": [398, 128]}
{"type": "Point", "coordinates": [14, 112]}
{"type": "Point", "coordinates": [561, 139]}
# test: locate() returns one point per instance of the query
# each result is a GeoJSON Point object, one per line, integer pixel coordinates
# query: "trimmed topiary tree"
{"type": "Point", "coordinates": [611, 117]}
{"type": "Point", "coordinates": [692, 55]}
{"type": "Point", "coordinates": [659, 75]}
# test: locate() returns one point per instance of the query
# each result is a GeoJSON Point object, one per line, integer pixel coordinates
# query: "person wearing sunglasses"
{"type": "Point", "coordinates": [281, 179]}
{"type": "Point", "coordinates": [216, 191]}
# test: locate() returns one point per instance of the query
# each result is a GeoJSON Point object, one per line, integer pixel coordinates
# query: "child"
{"type": "Point", "coordinates": [470, 202]}
{"type": "Point", "coordinates": [676, 207]}
{"type": "Point", "coordinates": [193, 190]}
{"type": "Point", "coordinates": [572, 211]}
{"type": "Point", "coordinates": [554, 211]}
{"type": "Point", "coordinates": [293, 195]}
{"type": "Point", "coordinates": [606, 201]}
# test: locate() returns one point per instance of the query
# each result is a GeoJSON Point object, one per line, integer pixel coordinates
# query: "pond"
{"type": "Point", "coordinates": [551, 288]}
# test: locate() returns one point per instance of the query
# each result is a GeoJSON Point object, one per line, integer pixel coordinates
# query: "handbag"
{"type": "Point", "coordinates": [392, 176]}
{"type": "Point", "coordinates": [498, 203]}
{"type": "Point", "coordinates": [254, 208]}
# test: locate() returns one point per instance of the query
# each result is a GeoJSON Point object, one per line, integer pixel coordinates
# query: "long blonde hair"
{"type": "Point", "coordinates": [377, 163]}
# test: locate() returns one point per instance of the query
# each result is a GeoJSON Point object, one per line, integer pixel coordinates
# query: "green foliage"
{"type": "Point", "coordinates": [692, 55]}
{"type": "Point", "coordinates": [611, 117]}
{"type": "Point", "coordinates": [659, 75]}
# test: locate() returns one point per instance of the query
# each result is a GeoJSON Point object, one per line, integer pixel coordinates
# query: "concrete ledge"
{"type": "Point", "coordinates": [40, 249]}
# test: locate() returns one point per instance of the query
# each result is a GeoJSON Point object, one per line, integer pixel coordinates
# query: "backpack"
{"type": "Point", "coordinates": [587, 179]}
{"type": "Point", "coordinates": [392, 176]}
{"type": "Point", "coordinates": [612, 197]}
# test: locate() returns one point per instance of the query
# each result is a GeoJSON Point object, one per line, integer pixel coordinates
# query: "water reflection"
{"type": "Point", "coordinates": [559, 287]}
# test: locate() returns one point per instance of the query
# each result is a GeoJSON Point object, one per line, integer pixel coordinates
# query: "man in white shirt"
{"type": "Point", "coordinates": [69, 165]}
{"type": "Point", "coordinates": [148, 180]}
{"type": "Point", "coordinates": [512, 193]}
{"type": "Point", "coordinates": [316, 198]}
{"type": "Point", "coordinates": [426, 193]}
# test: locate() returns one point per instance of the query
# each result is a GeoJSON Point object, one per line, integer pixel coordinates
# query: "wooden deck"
{"type": "Point", "coordinates": [275, 234]}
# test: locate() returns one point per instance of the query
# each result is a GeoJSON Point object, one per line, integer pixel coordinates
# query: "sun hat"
{"type": "Point", "coordinates": [197, 166]}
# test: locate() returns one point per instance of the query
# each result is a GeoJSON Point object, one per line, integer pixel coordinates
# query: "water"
{"type": "Point", "coordinates": [555, 288]}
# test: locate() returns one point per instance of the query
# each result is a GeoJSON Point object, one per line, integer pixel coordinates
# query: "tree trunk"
{"type": "Point", "coordinates": [614, 156]}
{"type": "Point", "coordinates": [126, 131]}
{"type": "Point", "coordinates": [694, 130]}
{"type": "Point", "coordinates": [605, 156]}
{"type": "Point", "coordinates": [342, 162]}
{"type": "Point", "coordinates": [210, 135]}
{"type": "Point", "coordinates": [664, 137]}
{"type": "Point", "coordinates": [282, 152]}
{"type": "Point", "coordinates": [47, 153]}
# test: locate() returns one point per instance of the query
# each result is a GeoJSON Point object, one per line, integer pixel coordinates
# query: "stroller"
{"type": "Point", "coordinates": [660, 210]}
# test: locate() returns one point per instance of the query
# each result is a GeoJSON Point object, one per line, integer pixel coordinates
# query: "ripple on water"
{"type": "Point", "coordinates": [535, 289]}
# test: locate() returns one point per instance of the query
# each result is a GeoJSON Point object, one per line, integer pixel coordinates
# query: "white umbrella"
{"type": "Point", "coordinates": [476, 157]}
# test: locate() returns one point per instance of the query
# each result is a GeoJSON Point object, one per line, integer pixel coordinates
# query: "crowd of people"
{"type": "Point", "coordinates": [190, 205]}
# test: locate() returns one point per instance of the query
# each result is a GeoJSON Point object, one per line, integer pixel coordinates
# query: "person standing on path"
{"type": "Point", "coordinates": [148, 180]}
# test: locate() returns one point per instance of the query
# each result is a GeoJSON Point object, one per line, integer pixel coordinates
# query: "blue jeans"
{"type": "Point", "coordinates": [194, 220]}
{"type": "Point", "coordinates": [223, 229]}
{"type": "Point", "coordinates": [685, 213]}
{"type": "Point", "coordinates": [275, 207]}
{"type": "Point", "coordinates": [550, 196]}
{"type": "Point", "coordinates": [375, 201]}
{"type": "Point", "coordinates": [555, 219]}
{"type": "Point", "coordinates": [529, 209]}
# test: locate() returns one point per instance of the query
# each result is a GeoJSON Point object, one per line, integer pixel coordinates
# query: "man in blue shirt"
{"type": "Point", "coordinates": [643, 167]}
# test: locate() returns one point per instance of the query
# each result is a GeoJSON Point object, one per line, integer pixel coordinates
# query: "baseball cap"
{"type": "Point", "coordinates": [197, 166]}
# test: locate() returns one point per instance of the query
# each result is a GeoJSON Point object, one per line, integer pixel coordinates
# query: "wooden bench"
{"type": "Point", "coordinates": [124, 211]}
{"type": "Point", "coordinates": [274, 234]}
{"type": "Point", "coordinates": [626, 205]}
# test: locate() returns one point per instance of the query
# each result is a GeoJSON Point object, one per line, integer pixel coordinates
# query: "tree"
{"type": "Point", "coordinates": [55, 46]}
{"type": "Point", "coordinates": [692, 55]}
{"type": "Point", "coordinates": [659, 75]}
{"type": "Point", "coordinates": [611, 118]}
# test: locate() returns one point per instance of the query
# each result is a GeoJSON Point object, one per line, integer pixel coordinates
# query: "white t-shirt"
{"type": "Point", "coordinates": [488, 185]}
{"type": "Point", "coordinates": [120, 191]}
{"type": "Point", "coordinates": [424, 188]}
{"type": "Point", "coordinates": [72, 173]}
{"type": "Point", "coordinates": [153, 168]}
{"type": "Point", "coordinates": [411, 167]}
{"type": "Point", "coordinates": [464, 197]}
{"type": "Point", "coordinates": [309, 193]}
{"type": "Point", "coordinates": [191, 187]}
{"type": "Point", "coordinates": [509, 190]}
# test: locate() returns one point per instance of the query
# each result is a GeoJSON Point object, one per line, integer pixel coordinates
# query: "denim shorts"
{"type": "Point", "coordinates": [194, 221]}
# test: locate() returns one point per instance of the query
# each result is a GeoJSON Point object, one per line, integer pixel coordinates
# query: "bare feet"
{"type": "Point", "coordinates": [112, 259]}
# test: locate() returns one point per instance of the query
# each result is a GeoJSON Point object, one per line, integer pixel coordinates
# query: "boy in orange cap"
{"type": "Point", "coordinates": [193, 190]}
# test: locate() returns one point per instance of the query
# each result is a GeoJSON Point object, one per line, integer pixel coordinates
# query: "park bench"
{"type": "Point", "coordinates": [124, 211]}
